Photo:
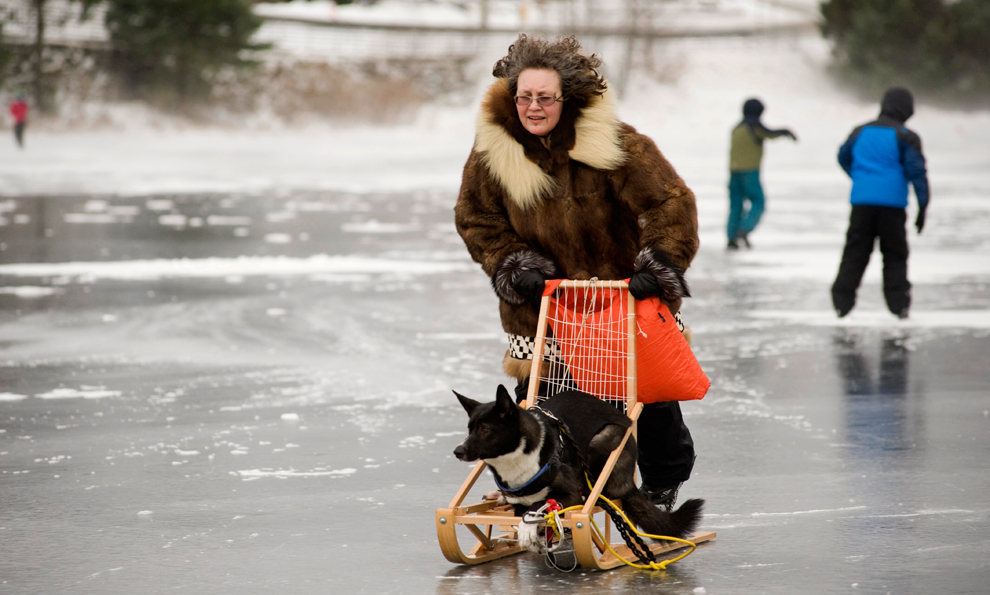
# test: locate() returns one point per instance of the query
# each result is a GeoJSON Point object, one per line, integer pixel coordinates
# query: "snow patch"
{"type": "Point", "coordinates": [252, 474]}
{"type": "Point", "coordinates": [31, 291]}
{"type": "Point", "coordinates": [84, 393]}
{"type": "Point", "coordinates": [278, 238]}
{"type": "Point", "coordinates": [374, 226]}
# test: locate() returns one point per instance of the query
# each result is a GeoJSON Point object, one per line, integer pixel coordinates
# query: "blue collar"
{"type": "Point", "coordinates": [545, 476]}
{"type": "Point", "coordinates": [533, 485]}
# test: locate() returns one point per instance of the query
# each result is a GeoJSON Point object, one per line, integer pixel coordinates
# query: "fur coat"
{"type": "Point", "coordinates": [593, 199]}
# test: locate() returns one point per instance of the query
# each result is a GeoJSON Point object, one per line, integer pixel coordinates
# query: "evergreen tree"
{"type": "Point", "coordinates": [960, 48]}
{"type": "Point", "coordinates": [171, 51]}
{"type": "Point", "coordinates": [933, 45]}
{"type": "Point", "coordinates": [5, 54]}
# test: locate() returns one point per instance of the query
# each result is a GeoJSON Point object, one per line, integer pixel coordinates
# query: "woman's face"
{"type": "Point", "coordinates": [533, 83]}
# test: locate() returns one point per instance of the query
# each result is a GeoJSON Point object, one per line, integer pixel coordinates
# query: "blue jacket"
{"type": "Point", "coordinates": [881, 158]}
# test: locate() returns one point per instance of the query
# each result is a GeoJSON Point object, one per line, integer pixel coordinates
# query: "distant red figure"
{"type": "Point", "coordinates": [19, 109]}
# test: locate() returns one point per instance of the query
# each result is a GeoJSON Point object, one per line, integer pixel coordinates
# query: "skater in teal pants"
{"type": "Point", "coordinates": [746, 201]}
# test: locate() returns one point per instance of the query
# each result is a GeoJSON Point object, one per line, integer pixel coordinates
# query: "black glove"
{"type": "Point", "coordinates": [919, 223]}
{"type": "Point", "coordinates": [644, 285]}
{"type": "Point", "coordinates": [529, 283]}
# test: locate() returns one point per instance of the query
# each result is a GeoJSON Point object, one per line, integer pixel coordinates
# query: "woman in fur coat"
{"type": "Point", "coordinates": [557, 187]}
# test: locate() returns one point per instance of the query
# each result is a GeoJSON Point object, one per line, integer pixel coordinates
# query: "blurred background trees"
{"type": "Point", "coordinates": [170, 53]}
{"type": "Point", "coordinates": [28, 68]}
{"type": "Point", "coordinates": [173, 51]}
{"type": "Point", "coordinates": [197, 55]}
{"type": "Point", "coordinates": [5, 53]}
{"type": "Point", "coordinates": [939, 47]}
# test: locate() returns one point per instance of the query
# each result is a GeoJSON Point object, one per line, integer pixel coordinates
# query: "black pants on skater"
{"type": "Point", "coordinates": [19, 133]}
{"type": "Point", "coordinates": [666, 449]}
{"type": "Point", "coordinates": [866, 224]}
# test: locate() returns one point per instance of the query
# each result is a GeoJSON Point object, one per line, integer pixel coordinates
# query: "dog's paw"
{"type": "Point", "coordinates": [497, 496]}
{"type": "Point", "coordinates": [529, 537]}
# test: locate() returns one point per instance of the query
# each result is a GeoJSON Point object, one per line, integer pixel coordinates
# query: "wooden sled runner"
{"type": "Point", "coordinates": [583, 357]}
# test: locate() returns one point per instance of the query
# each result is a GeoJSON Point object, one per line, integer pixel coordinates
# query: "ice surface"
{"type": "Point", "coordinates": [242, 266]}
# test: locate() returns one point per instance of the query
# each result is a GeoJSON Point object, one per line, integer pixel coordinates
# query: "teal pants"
{"type": "Point", "coordinates": [744, 186]}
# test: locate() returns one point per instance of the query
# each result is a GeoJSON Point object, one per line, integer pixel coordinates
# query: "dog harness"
{"type": "Point", "coordinates": [545, 476]}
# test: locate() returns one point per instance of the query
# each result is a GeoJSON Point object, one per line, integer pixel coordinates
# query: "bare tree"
{"type": "Point", "coordinates": [39, 85]}
{"type": "Point", "coordinates": [37, 58]}
{"type": "Point", "coordinates": [638, 18]}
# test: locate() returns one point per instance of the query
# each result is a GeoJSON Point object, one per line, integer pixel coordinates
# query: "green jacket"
{"type": "Point", "coordinates": [746, 151]}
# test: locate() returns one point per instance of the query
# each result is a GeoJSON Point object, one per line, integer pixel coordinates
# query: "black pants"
{"type": "Point", "coordinates": [19, 133]}
{"type": "Point", "coordinates": [666, 449]}
{"type": "Point", "coordinates": [866, 224]}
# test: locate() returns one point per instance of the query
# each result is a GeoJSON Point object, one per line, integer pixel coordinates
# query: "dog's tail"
{"type": "Point", "coordinates": [651, 519]}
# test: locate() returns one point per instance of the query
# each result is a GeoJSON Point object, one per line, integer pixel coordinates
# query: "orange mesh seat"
{"type": "Point", "coordinates": [589, 327]}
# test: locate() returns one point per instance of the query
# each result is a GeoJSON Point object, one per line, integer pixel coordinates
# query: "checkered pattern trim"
{"type": "Point", "coordinates": [522, 347]}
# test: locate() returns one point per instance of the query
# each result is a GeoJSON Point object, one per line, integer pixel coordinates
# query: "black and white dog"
{"type": "Point", "coordinates": [542, 452]}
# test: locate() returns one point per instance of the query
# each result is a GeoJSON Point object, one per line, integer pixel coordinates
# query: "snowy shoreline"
{"type": "Point", "coordinates": [689, 118]}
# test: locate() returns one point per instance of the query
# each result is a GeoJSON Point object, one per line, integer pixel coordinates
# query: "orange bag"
{"type": "Point", "coordinates": [590, 330]}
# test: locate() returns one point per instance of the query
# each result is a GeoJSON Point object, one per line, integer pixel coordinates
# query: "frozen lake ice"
{"type": "Point", "coordinates": [220, 406]}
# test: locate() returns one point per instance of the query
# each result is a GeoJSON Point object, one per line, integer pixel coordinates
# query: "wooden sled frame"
{"type": "Point", "coordinates": [590, 549]}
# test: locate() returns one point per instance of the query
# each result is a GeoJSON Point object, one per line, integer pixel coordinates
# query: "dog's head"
{"type": "Point", "coordinates": [493, 428]}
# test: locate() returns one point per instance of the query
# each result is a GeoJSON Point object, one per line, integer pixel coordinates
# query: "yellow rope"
{"type": "Point", "coordinates": [551, 521]}
{"type": "Point", "coordinates": [651, 565]}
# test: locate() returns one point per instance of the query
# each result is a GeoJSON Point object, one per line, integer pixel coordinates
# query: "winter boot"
{"type": "Point", "coordinates": [661, 497]}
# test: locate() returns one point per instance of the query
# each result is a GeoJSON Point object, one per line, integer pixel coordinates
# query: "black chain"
{"type": "Point", "coordinates": [635, 543]}
{"type": "Point", "coordinates": [629, 536]}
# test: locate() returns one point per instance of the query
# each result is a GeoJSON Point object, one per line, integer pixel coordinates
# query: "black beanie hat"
{"type": "Point", "coordinates": [898, 103]}
{"type": "Point", "coordinates": [752, 107]}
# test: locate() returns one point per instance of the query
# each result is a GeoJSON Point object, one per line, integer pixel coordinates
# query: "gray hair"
{"type": "Point", "coordinates": [579, 77]}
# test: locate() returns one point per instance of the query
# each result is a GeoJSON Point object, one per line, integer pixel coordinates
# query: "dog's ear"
{"type": "Point", "coordinates": [469, 405]}
{"type": "Point", "coordinates": [504, 404]}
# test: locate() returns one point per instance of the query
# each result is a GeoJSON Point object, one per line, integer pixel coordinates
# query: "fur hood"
{"type": "Point", "coordinates": [593, 199]}
{"type": "Point", "coordinates": [520, 162]}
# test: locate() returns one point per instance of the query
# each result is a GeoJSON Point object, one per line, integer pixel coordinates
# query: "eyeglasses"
{"type": "Point", "coordinates": [542, 101]}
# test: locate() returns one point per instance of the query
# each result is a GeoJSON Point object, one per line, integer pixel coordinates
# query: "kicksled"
{"type": "Point", "coordinates": [591, 333]}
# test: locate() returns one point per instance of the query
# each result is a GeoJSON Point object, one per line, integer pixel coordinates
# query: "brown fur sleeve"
{"type": "Point", "coordinates": [665, 206]}
{"type": "Point", "coordinates": [483, 224]}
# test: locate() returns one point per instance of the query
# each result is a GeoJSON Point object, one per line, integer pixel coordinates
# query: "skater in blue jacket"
{"type": "Point", "coordinates": [881, 157]}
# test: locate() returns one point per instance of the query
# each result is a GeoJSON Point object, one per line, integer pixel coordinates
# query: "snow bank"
{"type": "Point", "coordinates": [689, 118]}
